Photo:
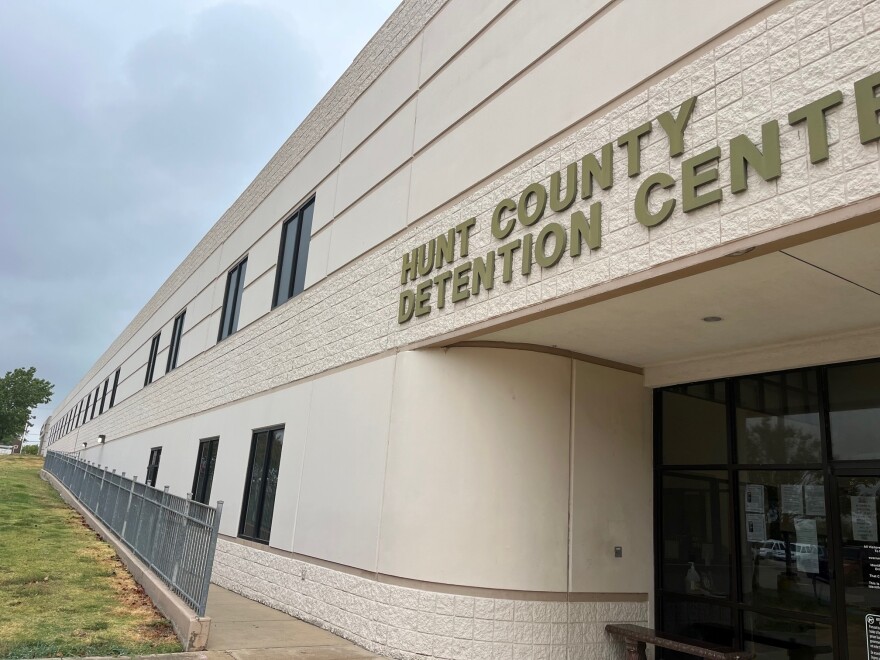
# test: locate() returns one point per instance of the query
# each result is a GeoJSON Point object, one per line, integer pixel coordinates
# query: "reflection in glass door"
{"type": "Point", "coordinates": [767, 492]}
{"type": "Point", "coordinates": [859, 563]}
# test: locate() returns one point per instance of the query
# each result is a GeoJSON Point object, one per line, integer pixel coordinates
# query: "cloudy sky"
{"type": "Point", "coordinates": [126, 130]}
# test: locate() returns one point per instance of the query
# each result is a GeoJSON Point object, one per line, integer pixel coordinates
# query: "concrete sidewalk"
{"type": "Point", "coordinates": [242, 629]}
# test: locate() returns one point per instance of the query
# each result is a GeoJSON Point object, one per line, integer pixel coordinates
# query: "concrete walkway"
{"type": "Point", "coordinates": [247, 630]}
{"type": "Point", "coordinates": [242, 629]}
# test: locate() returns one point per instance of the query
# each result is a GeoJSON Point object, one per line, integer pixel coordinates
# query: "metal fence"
{"type": "Point", "coordinates": [175, 536]}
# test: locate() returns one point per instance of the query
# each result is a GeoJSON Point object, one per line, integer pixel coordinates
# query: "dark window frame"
{"type": "Point", "coordinates": [247, 483]}
{"type": "Point", "coordinates": [115, 385]}
{"type": "Point", "coordinates": [94, 402]}
{"type": "Point", "coordinates": [153, 466]}
{"type": "Point", "coordinates": [231, 309]}
{"type": "Point", "coordinates": [104, 395]}
{"type": "Point", "coordinates": [174, 347]}
{"type": "Point", "coordinates": [201, 492]}
{"type": "Point", "coordinates": [151, 360]}
{"type": "Point", "coordinates": [830, 469]}
{"type": "Point", "coordinates": [299, 221]}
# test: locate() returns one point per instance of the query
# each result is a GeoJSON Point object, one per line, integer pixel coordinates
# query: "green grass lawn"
{"type": "Point", "coordinates": [63, 591]}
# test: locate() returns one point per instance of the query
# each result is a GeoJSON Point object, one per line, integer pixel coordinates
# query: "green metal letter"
{"type": "Point", "coordinates": [445, 248]}
{"type": "Point", "coordinates": [463, 229]}
{"type": "Point", "coordinates": [423, 296]}
{"type": "Point", "coordinates": [441, 281]}
{"type": "Point", "coordinates": [425, 258]}
{"type": "Point", "coordinates": [498, 231]}
{"type": "Point", "coordinates": [506, 253]}
{"type": "Point", "coordinates": [743, 153]}
{"type": "Point", "coordinates": [817, 129]}
{"type": "Point", "coordinates": [547, 260]}
{"type": "Point", "coordinates": [867, 106]}
{"type": "Point", "coordinates": [674, 126]}
{"type": "Point", "coordinates": [522, 209]}
{"type": "Point", "coordinates": [406, 306]}
{"type": "Point", "coordinates": [460, 282]}
{"type": "Point", "coordinates": [602, 172]}
{"type": "Point", "coordinates": [527, 242]}
{"type": "Point", "coordinates": [557, 202]}
{"type": "Point", "coordinates": [643, 213]}
{"type": "Point", "coordinates": [631, 141]}
{"type": "Point", "coordinates": [581, 227]}
{"type": "Point", "coordinates": [484, 274]}
{"type": "Point", "coordinates": [408, 271]}
{"type": "Point", "coordinates": [691, 180]}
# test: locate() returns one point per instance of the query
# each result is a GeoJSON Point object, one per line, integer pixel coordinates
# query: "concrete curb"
{"type": "Point", "coordinates": [191, 629]}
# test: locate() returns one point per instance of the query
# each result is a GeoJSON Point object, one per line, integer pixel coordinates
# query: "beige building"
{"type": "Point", "coordinates": [548, 315]}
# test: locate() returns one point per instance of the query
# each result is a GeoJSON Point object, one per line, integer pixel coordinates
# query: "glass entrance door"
{"type": "Point", "coordinates": [858, 562]}
{"type": "Point", "coordinates": [766, 492]}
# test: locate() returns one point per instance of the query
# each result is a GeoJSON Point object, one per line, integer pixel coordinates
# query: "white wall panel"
{"type": "Point", "coordinates": [306, 176]}
{"type": "Point", "coordinates": [344, 467]}
{"type": "Point", "coordinates": [194, 339]}
{"type": "Point", "coordinates": [387, 93]}
{"type": "Point", "coordinates": [452, 28]}
{"type": "Point", "coordinates": [376, 158]}
{"type": "Point", "coordinates": [477, 484]}
{"type": "Point", "coordinates": [611, 482]}
{"type": "Point", "coordinates": [551, 96]}
{"type": "Point", "coordinates": [371, 221]}
{"type": "Point", "coordinates": [325, 199]}
{"type": "Point", "coordinates": [263, 254]}
{"type": "Point", "coordinates": [319, 248]}
{"type": "Point", "coordinates": [518, 38]}
{"type": "Point", "coordinates": [256, 299]}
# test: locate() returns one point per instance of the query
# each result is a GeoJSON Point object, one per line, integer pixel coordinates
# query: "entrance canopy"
{"type": "Point", "coordinates": [734, 318]}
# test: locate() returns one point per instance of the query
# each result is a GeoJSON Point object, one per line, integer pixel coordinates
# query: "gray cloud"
{"type": "Point", "coordinates": [125, 132]}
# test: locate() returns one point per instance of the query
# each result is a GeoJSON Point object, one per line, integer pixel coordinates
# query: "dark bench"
{"type": "Point", "coordinates": [636, 637]}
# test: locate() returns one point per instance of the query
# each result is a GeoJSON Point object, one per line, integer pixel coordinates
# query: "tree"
{"type": "Point", "coordinates": [20, 392]}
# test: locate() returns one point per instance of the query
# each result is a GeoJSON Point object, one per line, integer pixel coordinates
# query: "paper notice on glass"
{"type": "Point", "coordinates": [864, 518]}
{"type": "Point", "coordinates": [792, 496]}
{"type": "Point", "coordinates": [756, 528]}
{"type": "Point", "coordinates": [807, 549]}
{"type": "Point", "coordinates": [872, 636]}
{"type": "Point", "coordinates": [754, 498]}
{"type": "Point", "coordinates": [814, 499]}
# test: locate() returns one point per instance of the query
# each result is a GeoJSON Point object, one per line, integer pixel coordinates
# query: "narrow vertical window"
{"type": "Point", "coordinates": [95, 402]}
{"type": "Point", "coordinates": [176, 335]}
{"type": "Point", "coordinates": [153, 466]}
{"type": "Point", "coordinates": [104, 396]}
{"type": "Point", "coordinates": [232, 300]}
{"type": "Point", "coordinates": [204, 475]}
{"type": "Point", "coordinates": [151, 360]}
{"type": "Point", "coordinates": [79, 414]}
{"type": "Point", "coordinates": [115, 385]}
{"type": "Point", "coordinates": [260, 485]}
{"type": "Point", "coordinates": [293, 254]}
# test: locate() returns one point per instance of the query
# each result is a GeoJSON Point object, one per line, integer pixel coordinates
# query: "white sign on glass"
{"type": "Point", "coordinates": [754, 498]}
{"type": "Point", "coordinates": [807, 549]}
{"type": "Point", "coordinates": [756, 528]}
{"type": "Point", "coordinates": [814, 499]}
{"type": "Point", "coordinates": [792, 496]}
{"type": "Point", "coordinates": [864, 518]}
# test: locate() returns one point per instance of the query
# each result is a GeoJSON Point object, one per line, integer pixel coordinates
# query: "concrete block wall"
{"type": "Point", "coordinates": [408, 623]}
{"type": "Point", "coordinates": [739, 84]}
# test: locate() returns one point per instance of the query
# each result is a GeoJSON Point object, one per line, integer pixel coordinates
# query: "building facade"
{"type": "Point", "coordinates": [543, 318]}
